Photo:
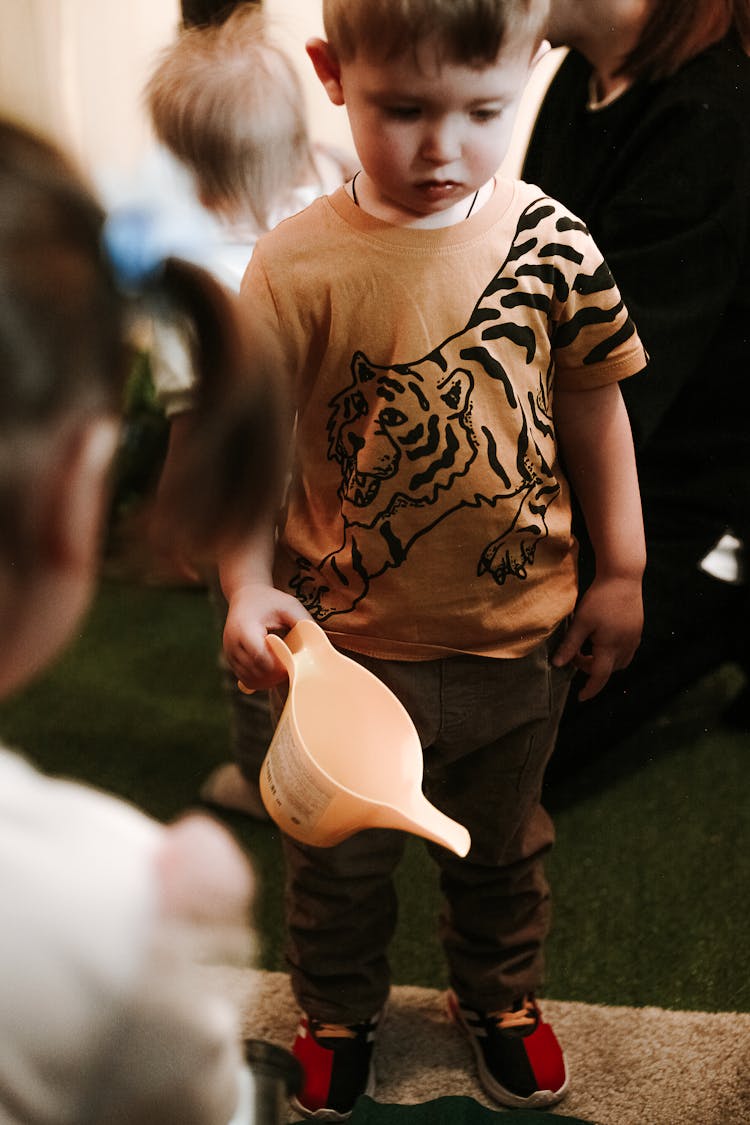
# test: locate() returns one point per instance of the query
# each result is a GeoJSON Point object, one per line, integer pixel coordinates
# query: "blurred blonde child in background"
{"type": "Point", "coordinates": [227, 103]}
{"type": "Point", "coordinates": [103, 909]}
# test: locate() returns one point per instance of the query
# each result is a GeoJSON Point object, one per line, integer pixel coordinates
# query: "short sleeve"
{"type": "Point", "coordinates": [594, 339]}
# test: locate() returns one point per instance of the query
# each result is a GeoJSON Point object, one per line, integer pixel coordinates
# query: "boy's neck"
{"type": "Point", "coordinates": [369, 200]}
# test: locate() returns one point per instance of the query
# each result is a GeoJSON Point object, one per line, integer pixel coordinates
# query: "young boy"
{"type": "Point", "coordinates": [450, 339]}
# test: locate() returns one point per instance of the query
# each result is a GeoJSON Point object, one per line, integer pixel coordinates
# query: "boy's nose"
{"type": "Point", "coordinates": [440, 143]}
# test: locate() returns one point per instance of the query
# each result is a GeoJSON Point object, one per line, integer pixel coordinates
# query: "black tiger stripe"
{"type": "Point", "coordinates": [606, 347]}
{"type": "Point", "coordinates": [549, 275]}
{"type": "Point", "coordinates": [492, 457]}
{"type": "Point", "coordinates": [494, 368]}
{"type": "Point", "coordinates": [568, 222]}
{"type": "Point", "coordinates": [597, 282]}
{"type": "Point", "coordinates": [539, 421]}
{"type": "Point", "coordinates": [542, 209]}
{"type": "Point", "coordinates": [497, 284]}
{"type": "Point", "coordinates": [431, 443]}
{"type": "Point", "coordinates": [517, 252]}
{"type": "Point", "coordinates": [448, 458]}
{"type": "Point", "coordinates": [480, 315]}
{"type": "Point", "coordinates": [561, 250]}
{"type": "Point", "coordinates": [541, 301]}
{"type": "Point", "coordinates": [565, 334]}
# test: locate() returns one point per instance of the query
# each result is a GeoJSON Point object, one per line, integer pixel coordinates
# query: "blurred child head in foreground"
{"type": "Point", "coordinates": [98, 891]}
{"type": "Point", "coordinates": [65, 358]}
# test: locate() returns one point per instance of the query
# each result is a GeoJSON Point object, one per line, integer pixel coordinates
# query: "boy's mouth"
{"type": "Point", "coordinates": [438, 189]}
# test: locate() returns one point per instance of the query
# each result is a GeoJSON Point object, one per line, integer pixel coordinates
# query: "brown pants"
{"type": "Point", "coordinates": [487, 728]}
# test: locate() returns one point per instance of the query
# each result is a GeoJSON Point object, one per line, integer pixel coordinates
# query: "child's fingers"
{"type": "Point", "coordinates": [583, 662]}
{"type": "Point", "coordinates": [254, 663]}
{"type": "Point", "coordinates": [258, 675]}
{"type": "Point", "coordinates": [597, 665]}
{"type": "Point", "coordinates": [569, 649]}
{"type": "Point", "coordinates": [261, 668]}
{"type": "Point", "coordinates": [600, 671]}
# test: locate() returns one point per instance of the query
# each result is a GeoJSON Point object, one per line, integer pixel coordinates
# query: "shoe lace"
{"type": "Point", "coordinates": [522, 1014]}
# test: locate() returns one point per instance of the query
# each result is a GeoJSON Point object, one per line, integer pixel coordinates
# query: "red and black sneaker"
{"type": "Point", "coordinates": [337, 1065]}
{"type": "Point", "coordinates": [519, 1059]}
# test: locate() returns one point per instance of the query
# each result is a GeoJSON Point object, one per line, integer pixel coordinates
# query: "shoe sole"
{"type": "Point", "coordinates": [540, 1100]}
{"type": "Point", "coordinates": [325, 1114]}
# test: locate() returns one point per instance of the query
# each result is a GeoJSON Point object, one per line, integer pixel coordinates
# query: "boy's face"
{"type": "Point", "coordinates": [428, 135]}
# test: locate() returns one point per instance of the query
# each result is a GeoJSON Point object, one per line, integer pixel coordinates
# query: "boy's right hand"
{"type": "Point", "coordinates": [255, 610]}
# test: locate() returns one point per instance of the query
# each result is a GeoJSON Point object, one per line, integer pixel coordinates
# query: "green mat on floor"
{"type": "Point", "coordinates": [449, 1111]}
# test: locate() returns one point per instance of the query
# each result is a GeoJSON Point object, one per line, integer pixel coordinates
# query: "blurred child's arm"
{"type": "Point", "coordinates": [596, 447]}
{"type": "Point", "coordinates": [175, 1053]}
{"type": "Point", "coordinates": [256, 608]}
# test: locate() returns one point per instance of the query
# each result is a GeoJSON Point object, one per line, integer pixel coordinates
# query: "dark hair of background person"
{"type": "Point", "coordinates": [676, 32]}
{"type": "Point", "coordinates": [200, 13]}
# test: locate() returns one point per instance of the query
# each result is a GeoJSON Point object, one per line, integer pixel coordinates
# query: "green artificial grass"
{"type": "Point", "coordinates": [651, 867]}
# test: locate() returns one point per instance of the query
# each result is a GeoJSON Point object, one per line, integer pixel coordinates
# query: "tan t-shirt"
{"type": "Point", "coordinates": [427, 512]}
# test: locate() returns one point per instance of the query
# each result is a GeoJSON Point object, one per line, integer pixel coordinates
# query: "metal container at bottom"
{"type": "Point", "coordinates": [275, 1076]}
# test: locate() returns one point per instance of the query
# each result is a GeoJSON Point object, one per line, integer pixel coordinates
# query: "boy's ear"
{"type": "Point", "coordinates": [80, 494]}
{"type": "Point", "coordinates": [327, 68]}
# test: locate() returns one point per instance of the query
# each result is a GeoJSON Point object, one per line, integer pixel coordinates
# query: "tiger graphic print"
{"type": "Point", "coordinates": [409, 437]}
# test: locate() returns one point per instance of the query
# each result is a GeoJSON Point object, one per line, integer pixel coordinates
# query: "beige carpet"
{"type": "Point", "coordinates": [629, 1066]}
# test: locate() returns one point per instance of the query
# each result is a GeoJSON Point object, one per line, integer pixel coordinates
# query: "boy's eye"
{"type": "Point", "coordinates": [486, 114]}
{"type": "Point", "coordinates": [402, 112]}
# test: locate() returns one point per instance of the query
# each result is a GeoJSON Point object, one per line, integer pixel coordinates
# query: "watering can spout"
{"type": "Point", "coordinates": [423, 819]}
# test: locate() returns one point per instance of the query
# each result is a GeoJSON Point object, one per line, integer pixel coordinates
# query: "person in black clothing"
{"type": "Point", "coordinates": [644, 133]}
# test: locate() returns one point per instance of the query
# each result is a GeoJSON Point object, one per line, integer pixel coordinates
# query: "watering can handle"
{"type": "Point", "coordinates": [281, 651]}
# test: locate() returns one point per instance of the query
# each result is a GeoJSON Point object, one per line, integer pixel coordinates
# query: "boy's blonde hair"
{"type": "Point", "coordinates": [466, 31]}
{"type": "Point", "coordinates": [228, 103]}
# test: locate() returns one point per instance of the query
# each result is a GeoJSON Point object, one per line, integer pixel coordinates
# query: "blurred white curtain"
{"type": "Point", "coordinates": [75, 70]}
{"type": "Point", "coordinates": [294, 22]}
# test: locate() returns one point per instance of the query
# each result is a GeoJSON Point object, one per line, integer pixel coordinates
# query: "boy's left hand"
{"type": "Point", "coordinates": [605, 631]}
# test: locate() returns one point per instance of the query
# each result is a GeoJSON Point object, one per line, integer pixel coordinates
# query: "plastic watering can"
{"type": "Point", "coordinates": [345, 754]}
